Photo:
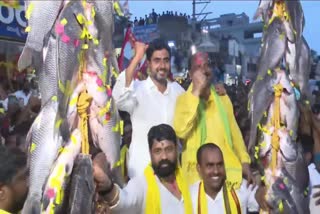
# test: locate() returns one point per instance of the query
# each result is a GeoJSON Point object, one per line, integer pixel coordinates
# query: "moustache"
{"type": "Point", "coordinates": [165, 162]}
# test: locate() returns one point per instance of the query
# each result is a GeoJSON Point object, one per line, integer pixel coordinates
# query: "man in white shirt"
{"type": "Point", "coordinates": [314, 184]}
{"type": "Point", "coordinates": [161, 189]}
{"type": "Point", "coordinates": [149, 102]}
{"type": "Point", "coordinates": [211, 195]}
{"type": "Point", "coordinates": [24, 94]}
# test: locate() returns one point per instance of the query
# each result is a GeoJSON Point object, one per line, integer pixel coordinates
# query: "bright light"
{"type": "Point", "coordinates": [193, 49]}
{"type": "Point", "coordinates": [204, 31]}
{"type": "Point", "coordinates": [171, 44]}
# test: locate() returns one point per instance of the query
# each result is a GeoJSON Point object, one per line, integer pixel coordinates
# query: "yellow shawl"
{"type": "Point", "coordinates": [231, 201]}
{"type": "Point", "coordinates": [153, 200]}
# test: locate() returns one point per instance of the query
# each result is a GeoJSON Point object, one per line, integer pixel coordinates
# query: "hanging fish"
{"type": "Point", "coordinates": [58, 181]}
{"type": "Point", "coordinates": [45, 143]}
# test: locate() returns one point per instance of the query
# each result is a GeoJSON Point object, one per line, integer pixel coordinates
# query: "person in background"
{"type": "Point", "coordinates": [314, 185]}
{"type": "Point", "coordinates": [314, 168]}
{"type": "Point", "coordinates": [135, 22]}
{"type": "Point", "coordinates": [212, 194]}
{"type": "Point", "coordinates": [13, 180]}
{"type": "Point", "coordinates": [24, 94]}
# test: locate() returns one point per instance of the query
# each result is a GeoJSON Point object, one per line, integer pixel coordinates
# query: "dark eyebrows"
{"type": "Point", "coordinates": [158, 58]}
{"type": "Point", "coordinates": [214, 163]}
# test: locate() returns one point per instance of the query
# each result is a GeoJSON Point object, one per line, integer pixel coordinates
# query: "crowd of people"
{"type": "Point", "coordinates": [19, 105]}
{"type": "Point", "coordinates": [153, 17]}
{"type": "Point", "coordinates": [186, 152]}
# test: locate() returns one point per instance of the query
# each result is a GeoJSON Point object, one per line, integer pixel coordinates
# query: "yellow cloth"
{"type": "Point", "coordinates": [82, 106]}
{"type": "Point", "coordinates": [187, 126]}
{"type": "Point", "coordinates": [153, 200]}
{"type": "Point", "coordinates": [276, 124]}
{"type": "Point", "coordinates": [3, 212]}
{"type": "Point", "coordinates": [203, 203]}
{"type": "Point", "coordinates": [123, 154]}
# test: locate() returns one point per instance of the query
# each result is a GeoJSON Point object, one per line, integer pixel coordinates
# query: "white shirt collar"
{"type": "Point", "coordinates": [151, 85]}
{"type": "Point", "coordinates": [219, 196]}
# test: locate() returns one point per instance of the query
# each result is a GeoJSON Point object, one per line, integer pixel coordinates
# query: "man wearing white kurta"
{"type": "Point", "coordinates": [161, 189]}
{"type": "Point", "coordinates": [314, 181]}
{"type": "Point", "coordinates": [149, 102]}
{"type": "Point", "coordinates": [212, 171]}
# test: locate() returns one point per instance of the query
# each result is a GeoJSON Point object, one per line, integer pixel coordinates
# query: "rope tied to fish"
{"type": "Point", "coordinates": [276, 124]}
{"type": "Point", "coordinates": [82, 107]}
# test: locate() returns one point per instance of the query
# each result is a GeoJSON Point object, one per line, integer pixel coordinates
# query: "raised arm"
{"type": "Point", "coordinates": [123, 91]}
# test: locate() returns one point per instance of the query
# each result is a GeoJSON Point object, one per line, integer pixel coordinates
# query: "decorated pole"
{"type": "Point", "coordinates": [283, 72]}
{"type": "Point", "coordinates": [70, 46]}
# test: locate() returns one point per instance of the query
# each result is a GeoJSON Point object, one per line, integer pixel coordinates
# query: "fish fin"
{"type": "Point", "coordinates": [32, 206]}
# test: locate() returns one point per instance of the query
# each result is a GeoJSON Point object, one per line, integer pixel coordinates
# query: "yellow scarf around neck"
{"type": "Point", "coordinates": [153, 200]}
{"type": "Point", "coordinates": [231, 207]}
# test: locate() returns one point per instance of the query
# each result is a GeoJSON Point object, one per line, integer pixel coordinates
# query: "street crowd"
{"type": "Point", "coordinates": [186, 151]}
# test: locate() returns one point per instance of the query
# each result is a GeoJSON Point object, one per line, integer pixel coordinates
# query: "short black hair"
{"type": "Point", "coordinates": [157, 45]}
{"type": "Point", "coordinates": [161, 132]}
{"type": "Point", "coordinates": [204, 147]}
{"type": "Point", "coordinates": [11, 161]}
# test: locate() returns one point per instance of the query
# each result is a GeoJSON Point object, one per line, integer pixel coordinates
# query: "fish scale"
{"type": "Point", "coordinates": [41, 21]}
{"type": "Point", "coordinates": [45, 144]}
{"type": "Point", "coordinates": [106, 138]}
{"type": "Point", "coordinates": [68, 60]}
{"type": "Point", "coordinates": [105, 22]}
{"type": "Point", "coordinates": [47, 74]}
{"type": "Point", "coordinates": [60, 175]}
{"type": "Point", "coordinates": [272, 52]}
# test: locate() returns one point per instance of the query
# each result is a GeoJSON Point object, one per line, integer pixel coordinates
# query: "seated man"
{"type": "Point", "coordinates": [212, 194]}
{"type": "Point", "coordinates": [13, 180]}
{"type": "Point", "coordinates": [161, 189]}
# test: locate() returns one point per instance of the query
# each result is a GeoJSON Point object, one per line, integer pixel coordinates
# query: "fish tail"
{"type": "Point", "coordinates": [32, 206]}
{"type": "Point", "coordinates": [25, 59]}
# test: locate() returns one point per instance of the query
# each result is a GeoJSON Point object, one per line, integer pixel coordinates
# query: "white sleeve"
{"type": "Point", "coordinates": [124, 97]}
{"type": "Point", "coordinates": [131, 198]}
{"type": "Point", "coordinates": [247, 197]}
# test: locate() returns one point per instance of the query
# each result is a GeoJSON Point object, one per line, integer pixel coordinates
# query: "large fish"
{"type": "Point", "coordinates": [105, 24]}
{"type": "Point", "coordinates": [299, 62]}
{"type": "Point", "coordinates": [69, 46]}
{"type": "Point", "coordinates": [297, 175]}
{"type": "Point", "coordinates": [263, 10]}
{"type": "Point", "coordinates": [41, 18]}
{"type": "Point", "coordinates": [289, 183]}
{"type": "Point", "coordinates": [273, 47]}
{"type": "Point", "coordinates": [260, 97]}
{"type": "Point", "coordinates": [296, 16]}
{"type": "Point", "coordinates": [53, 196]}
{"type": "Point", "coordinates": [304, 67]}
{"type": "Point", "coordinates": [105, 135]}
{"type": "Point", "coordinates": [45, 143]}
{"type": "Point", "coordinates": [101, 58]}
